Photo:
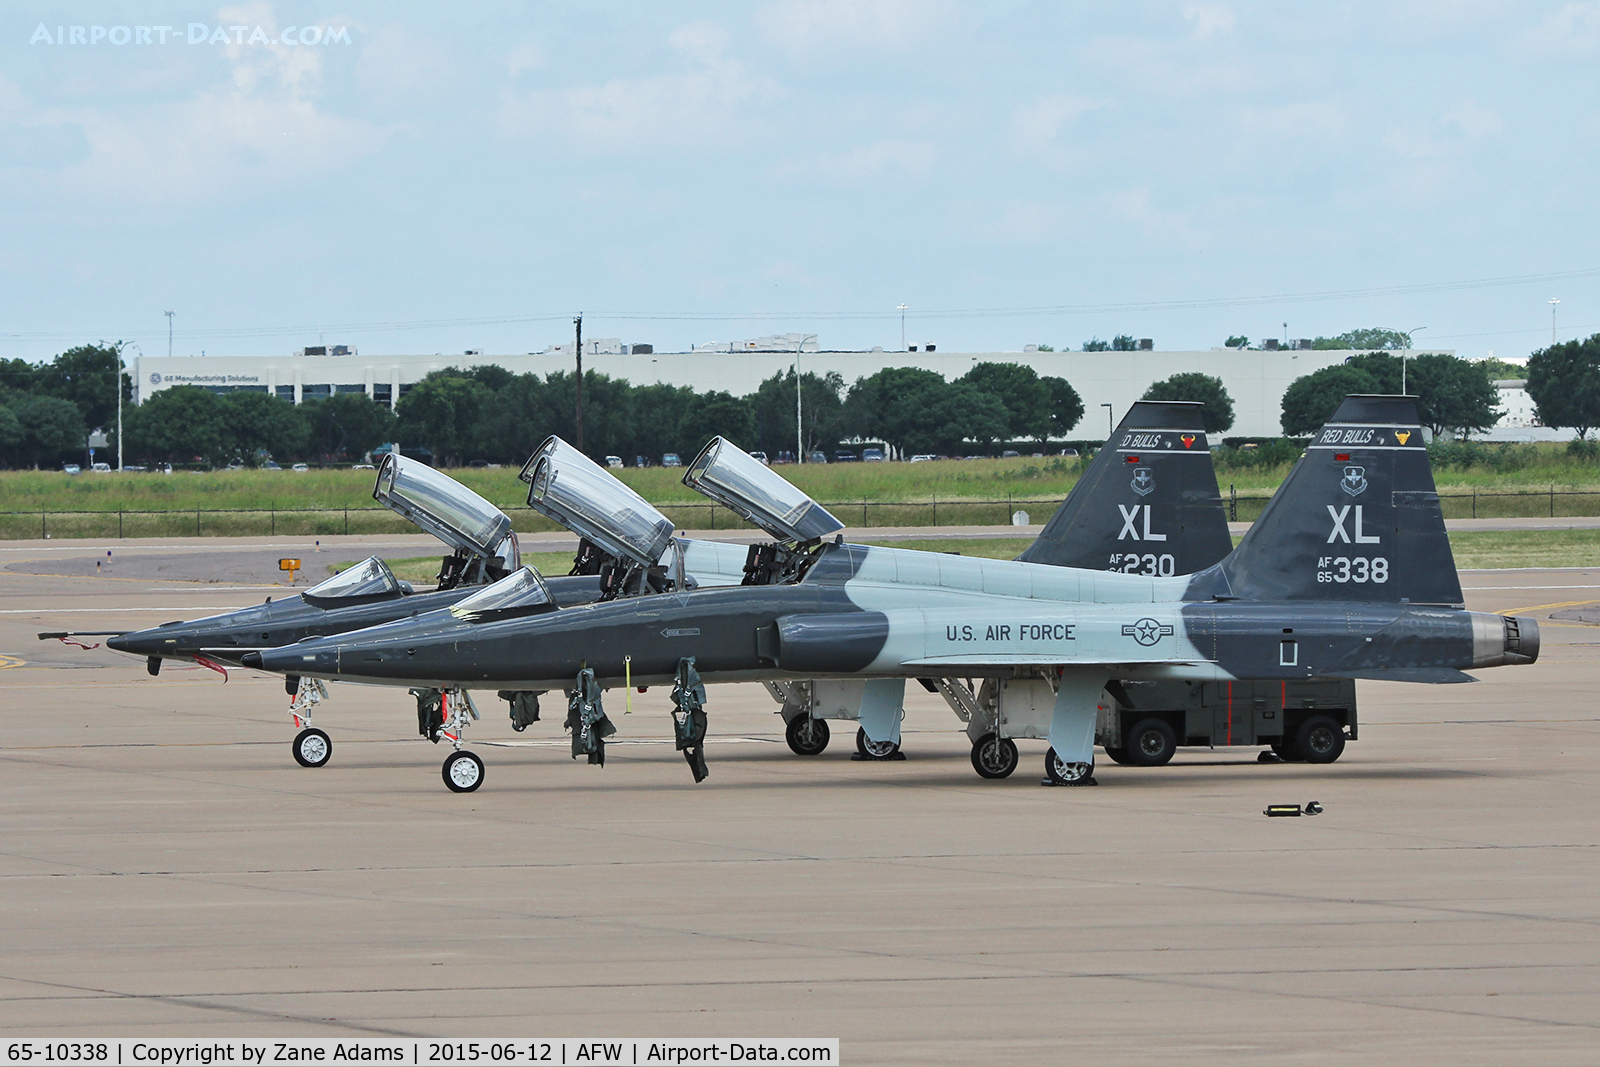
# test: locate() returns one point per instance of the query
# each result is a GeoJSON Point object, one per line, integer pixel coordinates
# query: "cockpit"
{"type": "Point", "coordinates": [520, 593]}
{"type": "Point", "coordinates": [624, 540]}
{"type": "Point", "coordinates": [485, 547]}
{"type": "Point", "coordinates": [369, 580]}
{"type": "Point", "coordinates": [749, 488]}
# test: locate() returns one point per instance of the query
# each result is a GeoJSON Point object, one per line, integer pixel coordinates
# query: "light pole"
{"type": "Point", "coordinates": [1109, 428]}
{"type": "Point", "coordinates": [118, 392]}
{"type": "Point", "coordinates": [799, 426]}
{"type": "Point", "coordinates": [1403, 352]}
{"type": "Point", "coordinates": [169, 315]}
{"type": "Point", "coordinates": [902, 310]}
{"type": "Point", "coordinates": [1553, 303]}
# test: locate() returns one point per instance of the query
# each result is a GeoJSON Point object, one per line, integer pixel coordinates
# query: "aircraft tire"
{"type": "Point", "coordinates": [875, 750]}
{"type": "Point", "coordinates": [1150, 743]}
{"type": "Point", "coordinates": [311, 748]}
{"type": "Point", "coordinates": [807, 736]}
{"type": "Point", "coordinates": [1320, 739]}
{"type": "Point", "coordinates": [463, 772]}
{"type": "Point", "coordinates": [1118, 755]}
{"type": "Point", "coordinates": [994, 756]}
{"type": "Point", "coordinates": [1060, 772]}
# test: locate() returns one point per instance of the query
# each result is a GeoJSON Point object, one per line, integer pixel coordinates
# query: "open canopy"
{"type": "Point", "coordinates": [445, 508]}
{"type": "Point", "coordinates": [743, 484]}
{"type": "Point", "coordinates": [569, 488]}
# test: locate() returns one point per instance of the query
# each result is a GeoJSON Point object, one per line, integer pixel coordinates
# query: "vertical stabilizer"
{"type": "Point", "coordinates": [1148, 504]}
{"type": "Point", "coordinates": [1357, 519]}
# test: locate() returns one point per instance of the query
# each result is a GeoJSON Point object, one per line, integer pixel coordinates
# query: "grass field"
{"type": "Point", "coordinates": [967, 492]}
{"type": "Point", "coordinates": [1492, 550]}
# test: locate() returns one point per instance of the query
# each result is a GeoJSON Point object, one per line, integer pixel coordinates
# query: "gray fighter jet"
{"type": "Point", "coordinates": [1347, 574]}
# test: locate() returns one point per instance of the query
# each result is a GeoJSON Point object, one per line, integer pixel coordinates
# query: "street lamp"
{"type": "Point", "coordinates": [117, 392]}
{"type": "Point", "coordinates": [1403, 352]}
{"type": "Point", "coordinates": [1553, 303]}
{"type": "Point", "coordinates": [902, 309]}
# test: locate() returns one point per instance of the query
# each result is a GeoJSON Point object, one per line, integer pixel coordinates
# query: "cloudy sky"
{"type": "Point", "coordinates": [1012, 171]}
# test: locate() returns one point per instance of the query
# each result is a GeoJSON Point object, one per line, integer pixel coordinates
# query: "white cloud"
{"type": "Point", "coordinates": [687, 107]}
{"type": "Point", "coordinates": [1571, 32]}
{"type": "Point", "coordinates": [1034, 127]}
{"type": "Point", "coordinates": [1209, 19]}
{"type": "Point", "coordinates": [888, 25]}
{"type": "Point", "coordinates": [1320, 120]}
{"type": "Point", "coordinates": [869, 161]}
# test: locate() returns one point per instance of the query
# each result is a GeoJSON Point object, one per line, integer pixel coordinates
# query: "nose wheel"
{"type": "Point", "coordinates": [312, 747]}
{"type": "Point", "coordinates": [994, 756]}
{"type": "Point", "coordinates": [463, 772]}
{"type": "Point", "coordinates": [807, 736]}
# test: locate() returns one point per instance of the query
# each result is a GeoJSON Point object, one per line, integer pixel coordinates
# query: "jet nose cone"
{"type": "Point", "coordinates": [251, 659]}
{"type": "Point", "coordinates": [119, 643]}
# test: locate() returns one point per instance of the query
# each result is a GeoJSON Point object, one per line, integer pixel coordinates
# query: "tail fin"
{"type": "Point", "coordinates": [1357, 519]}
{"type": "Point", "coordinates": [1148, 504]}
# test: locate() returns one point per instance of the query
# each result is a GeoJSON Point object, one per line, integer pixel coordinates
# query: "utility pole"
{"type": "Point", "coordinates": [169, 315]}
{"type": "Point", "coordinates": [577, 324]}
{"type": "Point", "coordinates": [902, 309]}
{"type": "Point", "coordinates": [799, 426]}
{"type": "Point", "coordinates": [118, 392]}
{"type": "Point", "coordinates": [1553, 303]}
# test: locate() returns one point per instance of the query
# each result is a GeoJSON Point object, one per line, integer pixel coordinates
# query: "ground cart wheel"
{"type": "Point", "coordinates": [1061, 772]}
{"type": "Point", "coordinates": [311, 747]}
{"type": "Point", "coordinates": [463, 772]}
{"type": "Point", "coordinates": [874, 749]}
{"type": "Point", "coordinates": [994, 757]}
{"type": "Point", "coordinates": [807, 736]}
{"type": "Point", "coordinates": [1320, 739]}
{"type": "Point", "coordinates": [1150, 743]}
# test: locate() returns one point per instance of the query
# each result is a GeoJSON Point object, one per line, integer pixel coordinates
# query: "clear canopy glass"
{"type": "Point", "coordinates": [445, 508]}
{"type": "Point", "coordinates": [370, 577]}
{"type": "Point", "coordinates": [522, 592]}
{"type": "Point", "coordinates": [568, 487]}
{"type": "Point", "coordinates": [743, 484]}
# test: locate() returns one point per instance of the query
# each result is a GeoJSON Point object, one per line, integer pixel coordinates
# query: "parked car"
{"type": "Point", "coordinates": [134, 469]}
{"type": "Point", "coordinates": [761, 457]}
{"type": "Point", "coordinates": [363, 467]}
{"type": "Point", "coordinates": [299, 468]}
{"type": "Point", "coordinates": [872, 455]}
{"type": "Point", "coordinates": [671, 460]}
{"type": "Point", "coordinates": [480, 463]}
{"type": "Point", "coordinates": [614, 462]}
{"type": "Point", "coordinates": [921, 459]}
{"type": "Point", "coordinates": [72, 468]}
{"type": "Point", "coordinates": [271, 465]}
{"type": "Point", "coordinates": [846, 457]}
{"type": "Point", "coordinates": [1010, 453]}
{"type": "Point", "coordinates": [100, 468]}
{"type": "Point", "coordinates": [1070, 453]}
{"type": "Point", "coordinates": [817, 457]}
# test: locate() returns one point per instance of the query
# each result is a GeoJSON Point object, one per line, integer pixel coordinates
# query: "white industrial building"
{"type": "Point", "coordinates": [1255, 379]}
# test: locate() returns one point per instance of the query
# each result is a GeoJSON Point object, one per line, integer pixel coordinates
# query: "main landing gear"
{"type": "Point", "coordinates": [311, 746]}
{"type": "Point", "coordinates": [1058, 771]}
{"type": "Point", "coordinates": [876, 750]}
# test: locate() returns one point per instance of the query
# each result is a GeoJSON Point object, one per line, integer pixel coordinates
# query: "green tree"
{"type": "Point", "coordinates": [1452, 394]}
{"type": "Point", "coordinates": [900, 406]}
{"type": "Point", "coordinates": [657, 410]}
{"type": "Point", "coordinates": [263, 426]}
{"type": "Point", "coordinates": [1237, 341]}
{"type": "Point", "coordinates": [181, 424]}
{"type": "Point", "coordinates": [348, 424]}
{"type": "Point", "coordinates": [961, 412]}
{"type": "Point", "coordinates": [1124, 343]}
{"type": "Point", "coordinates": [1094, 344]}
{"type": "Point", "coordinates": [52, 430]}
{"type": "Point", "coordinates": [1027, 397]}
{"type": "Point", "coordinates": [1066, 406]}
{"type": "Point", "coordinates": [1310, 400]}
{"type": "Point", "coordinates": [1369, 339]}
{"type": "Point", "coordinates": [1564, 382]}
{"type": "Point", "coordinates": [86, 376]}
{"type": "Point", "coordinates": [773, 403]}
{"type": "Point", "coordinates": [441, 412]}
{"type": "Point", "coordinates": [516, 420]}
{"type": "Point", "coordinates": [11, 435]}
{"type": "Point", "coordinates": [1498, 370]}
{"type": "Point", "coordinates": [608, 416]}
{"type": "Point", "coordinates": [715, 414]}
{"type": "Point", "coordinates": [1216, 416]}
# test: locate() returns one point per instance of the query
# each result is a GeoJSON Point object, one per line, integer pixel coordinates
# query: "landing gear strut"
{"type": "Point", "coordinates": [807, 736]}
{"type": "Point", "coordinates": [463, 771]}
{"type": "Point", "coordinates": [311, 746]}
{"type": "Point", "coordinates": [994, 756]}
{"type": "Point", "coordinates": [689, 717]}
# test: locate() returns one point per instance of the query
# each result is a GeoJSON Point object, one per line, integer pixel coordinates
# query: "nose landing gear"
{"type": "Point", "coordinates": [311, 746]}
